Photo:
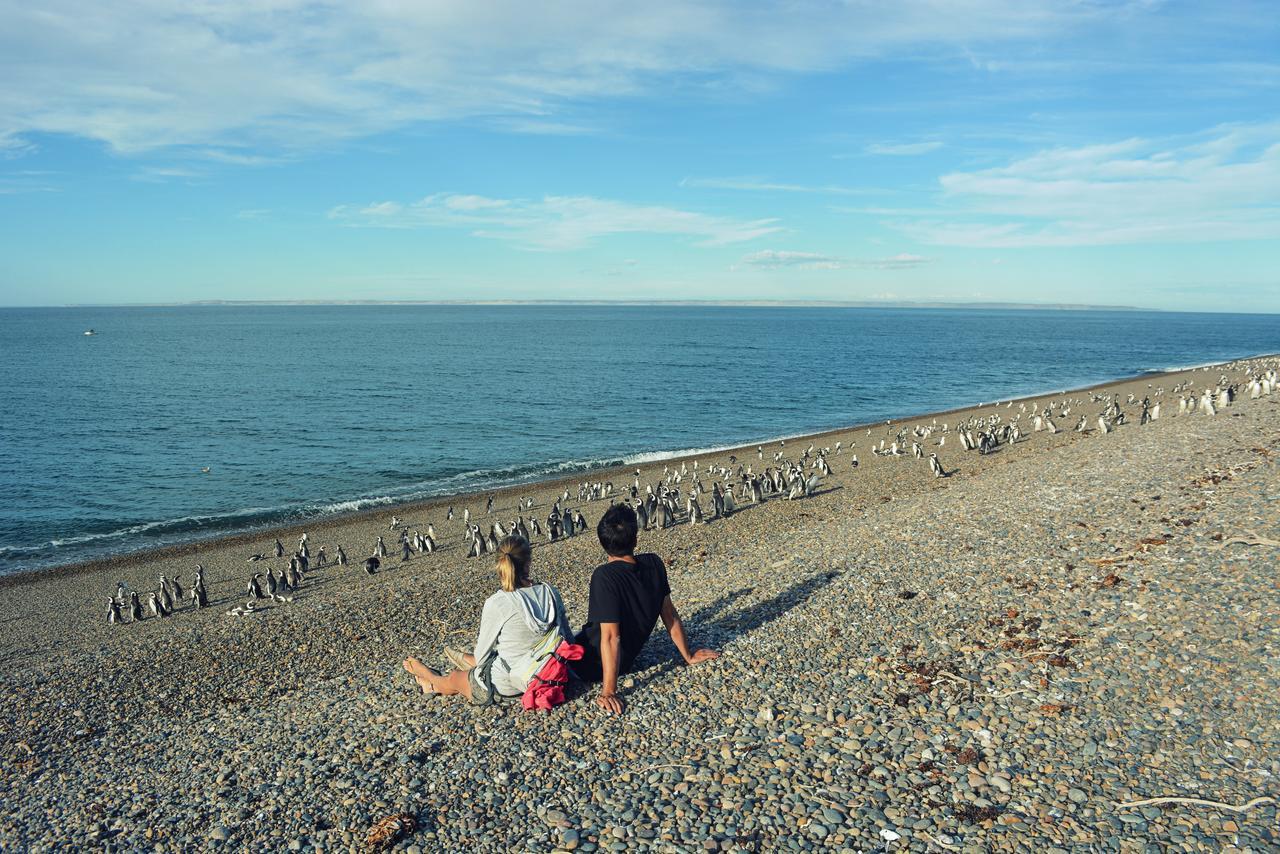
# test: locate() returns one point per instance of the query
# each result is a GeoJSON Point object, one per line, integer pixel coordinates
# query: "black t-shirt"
{"type": "Point", "coordinates": [630, 595]}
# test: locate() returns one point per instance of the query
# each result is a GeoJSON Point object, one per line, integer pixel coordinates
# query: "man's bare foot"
{"type": "Point", "coordinates": [424, 675]}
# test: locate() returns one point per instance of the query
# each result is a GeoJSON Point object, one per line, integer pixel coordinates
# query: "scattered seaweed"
{"type": "Point", "coordinates": [389, 830]}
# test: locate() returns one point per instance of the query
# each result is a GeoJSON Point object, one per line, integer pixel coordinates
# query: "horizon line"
{"type": "Point", "coordinates": [765, 303]}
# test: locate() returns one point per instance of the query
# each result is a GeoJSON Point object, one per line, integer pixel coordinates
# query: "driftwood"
{"type": "Point", "coordinates": [1266, 799]}
{"type": "Point", "coordinates": [1247, 539]}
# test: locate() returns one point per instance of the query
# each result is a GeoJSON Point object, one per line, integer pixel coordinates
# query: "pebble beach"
{"type": "Point", "coordinates": [1068, 644]}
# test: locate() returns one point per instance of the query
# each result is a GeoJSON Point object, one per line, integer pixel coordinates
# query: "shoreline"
{"type": "Point", "coordinates": [324, 522]}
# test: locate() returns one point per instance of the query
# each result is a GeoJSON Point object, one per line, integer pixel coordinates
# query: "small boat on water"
{"type": "Point", "coordinates": [90, 332]}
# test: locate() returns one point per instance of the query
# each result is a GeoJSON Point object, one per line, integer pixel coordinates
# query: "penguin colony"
{"type": "Point", "coordinates": [698, 493]}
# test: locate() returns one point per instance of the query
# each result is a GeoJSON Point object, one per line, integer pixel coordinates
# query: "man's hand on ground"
{"type": "Point", "coordinates": [610, 703]}
{"type": "Point", "coordinates": [703, 655]}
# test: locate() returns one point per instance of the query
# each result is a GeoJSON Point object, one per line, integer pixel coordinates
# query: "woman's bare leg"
{"type": "Point", "coordinates": [431, 682]}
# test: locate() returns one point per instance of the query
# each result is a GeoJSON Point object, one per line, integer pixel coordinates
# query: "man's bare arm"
{"type": "Point", "coordinates": [675, 628]}
{"type": "Point", "coordinates": [610, 651]}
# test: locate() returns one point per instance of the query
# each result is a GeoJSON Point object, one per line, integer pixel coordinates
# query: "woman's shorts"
{"type": "Point", "coordinates": [481, 679]}
{"type": "Point", "coordinates": [483, 691]}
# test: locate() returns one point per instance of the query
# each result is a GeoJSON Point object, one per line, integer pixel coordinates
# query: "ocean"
{"type": "Point", "coordinates": [301, 411]}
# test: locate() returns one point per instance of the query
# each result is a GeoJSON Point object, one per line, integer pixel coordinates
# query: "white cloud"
{"type": "Point", "coordinates": [761, 185]}
{"type": "Point", "coordinates": [1222, 185]}
{"type": "Point", "coordinates": [904, 149]}
{"type": "Point", "coordinates": [773, 259]}
{"type": "Point", "coordinates": [162, 174]}
{"type": "Point", "coordinates": [553, 222]}
{"type": "Point", "coordinates": [296, 74]}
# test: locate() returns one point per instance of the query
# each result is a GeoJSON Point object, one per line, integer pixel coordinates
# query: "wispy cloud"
{"type": "Point", "coordinates": [904, 149]}
{"type": "Point", "coordinates": [773, 259]}
{"type": "Point", "coordinates": [543, 127]}
{"type": "Point", "coordinates": [1223, 184]}
{"type": "Point", "coordinates": [161, 174]}
{"type": "Point", "coordinates": [553, 222]}
{"type": "Point", "coordinates": [294, 74]}
{"type": "Point", "coordinates": [765, 186]}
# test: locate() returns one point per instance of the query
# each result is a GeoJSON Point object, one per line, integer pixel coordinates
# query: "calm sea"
{"type": "Point", "coordinates": [299, 411]}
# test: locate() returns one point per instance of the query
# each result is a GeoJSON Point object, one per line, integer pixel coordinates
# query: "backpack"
{"type": "Point", "coordinates": [546, 688]}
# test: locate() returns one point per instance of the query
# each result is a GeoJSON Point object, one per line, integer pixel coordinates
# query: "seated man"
{"type": "Point", "coordinates": [628, 594]}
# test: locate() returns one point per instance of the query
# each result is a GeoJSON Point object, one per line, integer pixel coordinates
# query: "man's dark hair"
{"type": "Point", "coordinates": [617, 530]}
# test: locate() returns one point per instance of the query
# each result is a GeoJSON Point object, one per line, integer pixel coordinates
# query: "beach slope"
{"type": "Point", "coordinates": [1011, 657]}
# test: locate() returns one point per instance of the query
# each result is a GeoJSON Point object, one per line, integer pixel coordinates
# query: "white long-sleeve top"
{"type": "Point", "coordinates": [523, 625]}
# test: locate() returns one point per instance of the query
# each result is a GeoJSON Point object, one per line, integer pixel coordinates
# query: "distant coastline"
{"type": "Point", "coordinates": [977, 306]}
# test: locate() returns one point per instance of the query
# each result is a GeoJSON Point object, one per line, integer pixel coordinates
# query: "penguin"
{"type": "Point", "coordinates": [492, 543]}
{"type": "Point", "coordinates": [466, 515]}
{"type": "Point", "coordinates": [199, 597]}
{"type": "Point", "coordinates": [135, 607]}
{"type": "Point", "coordinates": [157, 607]}
{"type": "Point", "coordinates": [113, 611]}
{"type": "Point", "coordinates": [579, 520]}
{"type": "Point", "coordinates": [935, 466]}
{"type": "Point", "coordinates": [322, 559]}
{"type": "Point", "coordinates": [729, 505]}
{"type": "Point", "coordinates": [122, 591]}
{"type": "Point", "coordinates": [567, 523]}
{"type": "Point", "coordinates": [1206, 403]}
{"type": "Point", "coordinates": [371, 565]}
{"type": "Point", "coordinates": [448, 517]}
{"type": "Point", "coordinates": [695, 511]}
{"type": "Point", "coordinates": [254, 558]}
{"type": "Point", "coordinates": [178, 593]}
{"type": "Point", "coordinates": [380, 548]}
{"type": "Point", "coordinates": [272, 586]}
{"type": "Point", "coordinates": [642, 516]}
{"type": "Point", "coordinates": [811, 485]}
{"type": "Point", "coordinates": [404, 552]}
{"type": "Point", "coordinates": [537, 529]}
{"type": "Point", "coordinates": [476, 549]}
{"type": "Point", "coordinates": [279, 548]}
{"type": "Point", "coordinates": [342, 557]}
{"type": "Point", "coordinates": [166, 601]}
{"type": "Point", "coordinates": [488, 505]}
{"type": "Point", "coordinates": [717, 501]}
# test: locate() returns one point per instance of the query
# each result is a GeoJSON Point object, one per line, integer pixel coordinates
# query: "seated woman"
{"type": "Point", "coordinates": [520, 626]}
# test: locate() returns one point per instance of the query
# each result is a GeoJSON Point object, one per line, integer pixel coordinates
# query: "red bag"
{"type": "Point", "coordinates": [546, 688]}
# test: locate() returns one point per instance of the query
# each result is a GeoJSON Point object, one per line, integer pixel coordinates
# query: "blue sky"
{"type": "Point", "coordinates": [1093, 152]}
